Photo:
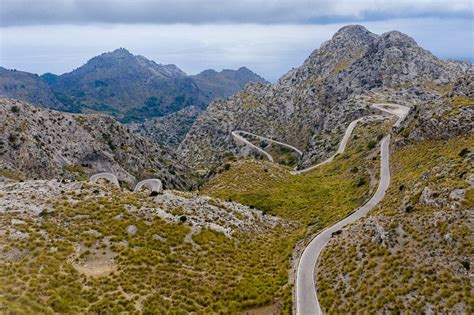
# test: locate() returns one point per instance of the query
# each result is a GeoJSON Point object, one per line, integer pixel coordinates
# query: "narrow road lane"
{"type": "Point", "coordinates": [269, 140]}
{"type": "Point", "coordinates": [306, 299]}
{"type": "Point", "coordinates": [238, 137]}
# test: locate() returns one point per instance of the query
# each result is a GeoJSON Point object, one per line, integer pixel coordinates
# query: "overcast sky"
{"type": "Point", "coordinates": [269, 37]}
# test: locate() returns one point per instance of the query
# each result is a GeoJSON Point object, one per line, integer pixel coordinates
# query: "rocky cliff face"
{"type": "Point", "coordinates": [42, 143]}
{"type": "Point", "coordinates": [171, 129]}
{"type": "Point", "coordinates": [446, 117]}
{"type": "Point", "coordinates": [310, 106]}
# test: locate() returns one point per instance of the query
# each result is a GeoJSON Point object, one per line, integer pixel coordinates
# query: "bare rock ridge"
{"type": "Point", "coordinates": [42, 143]}
{"type": "Point", "coordinates": [310, 106]}
{"type": "Point", "coordinates": [170, 129]}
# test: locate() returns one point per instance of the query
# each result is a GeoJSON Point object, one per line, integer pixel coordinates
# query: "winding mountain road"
{"type": "Point", "coordinates": [340, 149]}
{"type": "Point", "coordinates": [239, 138]}
{"type": "Point", "coordinates": [306, 296]}
{"type": "Point", "coordinates": [307, 302]}
{"type": "Point", "coordinates": [393, 109]}
{"type": "Point", "coordinates": [236, 132]}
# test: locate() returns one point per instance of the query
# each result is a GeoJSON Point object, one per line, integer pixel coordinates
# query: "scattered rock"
{"type": "Point", "coordinates": [132, 229]}
{"type": "Point", "coordinates": [457, 195]}
{"type": "Point", "coordinates": [17, 222]}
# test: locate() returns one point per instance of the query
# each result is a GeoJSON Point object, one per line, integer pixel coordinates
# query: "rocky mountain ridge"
{"type": "Point", "coordinates": [42, 143]}
{"type": "Point", "coordinates": [171, 129]}
{"type": "Point", "coordinates": [310, 106]}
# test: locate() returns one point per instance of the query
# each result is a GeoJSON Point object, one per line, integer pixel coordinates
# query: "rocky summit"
{"type": "Point", "coordinates": [310, 106]}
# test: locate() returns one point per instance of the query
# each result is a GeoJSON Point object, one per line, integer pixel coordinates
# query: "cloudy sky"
{"type": "Point", "coordinates": [269, 37]}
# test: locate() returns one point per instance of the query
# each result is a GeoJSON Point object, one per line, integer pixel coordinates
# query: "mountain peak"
{"type": "Point", "coordinates": [120, 52]}
{"type": "Point", "coordinates": [349, 37]}
{"type": "Point", "coordinates": [396, 37]}
{"type": "Point", "coordinates": [352, 31]}
{"type": "Point", "coordinates": [244, 69]}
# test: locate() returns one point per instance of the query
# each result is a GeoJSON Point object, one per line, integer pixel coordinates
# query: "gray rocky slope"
{"type": "Point", "coordinates": [42, 143]}
{"type": "Point", "coordinates": [310, 106]}
{"type": "Point", "coordinates": [446, 117]}
{"type": "Point", "coordinates": [171, 129]}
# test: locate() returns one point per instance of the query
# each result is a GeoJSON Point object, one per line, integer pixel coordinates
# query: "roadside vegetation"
{"type": "Point", "coordinates": [414, 254]}
{"type": "Point", "coordinates": [313, 200]}
{"type": "Point", "coordinates": [280, 153]}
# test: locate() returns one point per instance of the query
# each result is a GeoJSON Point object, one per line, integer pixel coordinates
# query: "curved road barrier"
{"type": "Point", "coordinates": [154, 185]}
{"type": "Point", "coordinates": [107, 176]}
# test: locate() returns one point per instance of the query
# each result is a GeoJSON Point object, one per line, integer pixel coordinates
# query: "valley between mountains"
{"type": "Point", "coordinates": [344, 187]}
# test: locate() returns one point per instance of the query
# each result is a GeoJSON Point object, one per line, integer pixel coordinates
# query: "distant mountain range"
{"type": "Point", "coordinates": [130, 87]}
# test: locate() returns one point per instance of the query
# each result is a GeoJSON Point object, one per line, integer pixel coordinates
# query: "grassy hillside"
{"type": "Point", "coordinates": [415, 253]}
{"type": "Point", "coordinates": [82, 256]}
{"type": "Point", "coordinates": [319, 197]}
{"type": "Point", "coordinates": [313, 200]}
